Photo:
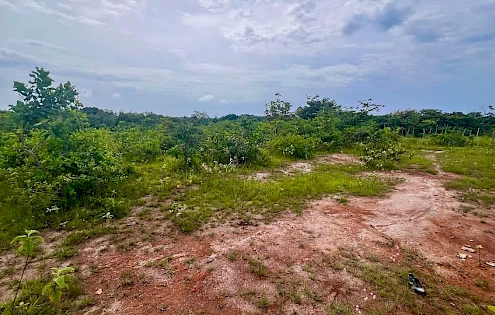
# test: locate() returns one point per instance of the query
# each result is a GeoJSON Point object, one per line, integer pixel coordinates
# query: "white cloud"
{"type": "Point", "coordinates": [63, 6]}
{"type": "Point", "coordinates": [205, 98]}
{"type": "Point", "coordinates": [223, 101]}
{"type": "Point", "coordinates": [86, 93]}
{"type": "Point", "coordinates": [116, 95]}
{"type": "Point", "coordinates": [6, 3]}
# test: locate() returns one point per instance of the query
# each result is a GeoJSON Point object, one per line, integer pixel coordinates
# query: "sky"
{"type": "Point", "coordinates": [175, 57]}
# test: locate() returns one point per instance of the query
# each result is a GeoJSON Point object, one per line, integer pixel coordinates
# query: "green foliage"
{"type": "Point", "coordinates": [295, 146]}
{"type": "Point", "coordinates": [382, 149]}
{"type": "Point", "coordinates": [140, 145]}
{"type": "Point", "coordinates": [315, 106]}
{"type": "Point", "coordinates": [451, 139]}
{"type": "Point", "coordinates": [58, 284]}
{"type": "Point", "coordinates": [278, 109]}
{"type": "Point", "coordinates": [229, 142]}
{"type": "Point", "coordinates": [188, 139]}
{"type": "Point", "coordinates": [39, 101]}
{"type": "Point", "coordinates": [27, 242]}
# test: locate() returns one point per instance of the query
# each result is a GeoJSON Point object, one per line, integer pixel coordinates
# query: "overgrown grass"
{"type": "Point", "coordinates": [229, 194]}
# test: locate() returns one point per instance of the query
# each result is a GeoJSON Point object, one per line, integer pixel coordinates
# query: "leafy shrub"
{"type": "Point", "coordinates": [382, 149]}
{"type": "Point", "coordinates": [359, 134]}
{"type": "Point", "coordinates": [229, 143]}
{"type": "Point", "coordinates": [295, 146]}
{"type": "Point", "coordinates": [92, 166]}
{"type": "Point", "coordinates": [451, 139]}
{"type": "Point", "coordinates": [188, 139]}
{"type": "Point", "coordinates": [140, 145]}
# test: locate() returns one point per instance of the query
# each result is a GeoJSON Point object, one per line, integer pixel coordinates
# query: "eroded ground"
{"type": "Point", "coordinates": [338, 256]}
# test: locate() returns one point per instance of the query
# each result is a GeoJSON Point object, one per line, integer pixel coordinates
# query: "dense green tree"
{"type": "Point", "coordinates": [40, 101]}
{"type": "Point", "coordinates": [315, 105]}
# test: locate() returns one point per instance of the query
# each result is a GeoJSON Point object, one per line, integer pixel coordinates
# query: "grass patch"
{"type": "Point", "coordinates": [264, 301]}
{"type": "Point", "coordinates": [477, 165]}
{"type": "Point", "coordinates": [228, 194]}
{"type": "Point", "coordinates": [257, 267]}
{"type": "Point", "coordinates": [418, 162]}
{"type": "Point", "coordinates": [338, 308]}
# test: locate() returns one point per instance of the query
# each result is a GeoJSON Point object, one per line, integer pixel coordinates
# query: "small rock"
{"type": "Point", "coordinates": [210, 259]}
{"type": "Point", "coordinates": [468, 249]}
{"type": "Point", "coordinates": [462, 256]}
{"type": "Point", "coordinates": [490, 263]}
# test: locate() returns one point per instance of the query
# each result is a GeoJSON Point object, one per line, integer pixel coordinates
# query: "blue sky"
{"type": "Point", "coordinates": [223, 56]}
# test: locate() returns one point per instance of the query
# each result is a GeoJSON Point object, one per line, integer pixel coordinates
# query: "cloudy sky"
{"type": "Point", "coordinates": [231, 56]}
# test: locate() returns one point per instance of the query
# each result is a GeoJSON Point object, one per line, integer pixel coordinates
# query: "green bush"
{"type": "Point", "coordinates": [382, 149]}
{"type": "Point", "coordinates": [140, 145]}
{"type": "Point", "coordinates": [295, 146]}
{"type": "Point", "coordinates": [229, 143]}
{"type": "Point", "coordinates": [451, 139]}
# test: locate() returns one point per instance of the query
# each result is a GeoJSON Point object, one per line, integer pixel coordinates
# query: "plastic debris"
{"type": "Point", "coordinates": [416, 285]}
{"type": "Point", "coordinates": [462, 256]}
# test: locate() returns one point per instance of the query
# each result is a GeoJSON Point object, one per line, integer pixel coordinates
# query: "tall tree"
{"type": "Point", "coordinates": [39, 104]}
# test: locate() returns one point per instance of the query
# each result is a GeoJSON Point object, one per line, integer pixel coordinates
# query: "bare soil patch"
{"type": "Point", "coordinates": [286, 266]}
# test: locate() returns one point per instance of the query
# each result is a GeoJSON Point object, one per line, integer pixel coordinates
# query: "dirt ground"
{"type": "Point", "coordinates": [282, 267]}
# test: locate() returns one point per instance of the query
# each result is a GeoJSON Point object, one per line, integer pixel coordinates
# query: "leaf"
{"type": "Point", "coordinates": [491, 308]}
{"type": "Point", "coordinates": [60, 281]}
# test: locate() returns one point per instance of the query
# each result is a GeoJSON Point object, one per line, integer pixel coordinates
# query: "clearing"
{"type": "Point", "coordinates": [340, 255]}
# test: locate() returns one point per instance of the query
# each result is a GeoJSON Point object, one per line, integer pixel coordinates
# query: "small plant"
{"type": "Point", "coordinates": [59, 283]}
{"type": "Point", "coordinates": [232, 256]}
{"type": "Point", "coordinates": [27, 246]}
{"type": "Point", "coordinates": [107, 216]}
{"type": "Point", "coordinates": [127, 278]}
{"type": "Point", "coordinates": [264, 302]}
{"type": "Point", "coordinates": [258, 267]}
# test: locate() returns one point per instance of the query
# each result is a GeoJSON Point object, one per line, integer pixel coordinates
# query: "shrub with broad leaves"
{"type": "Point", "coordinates": [382, 149]}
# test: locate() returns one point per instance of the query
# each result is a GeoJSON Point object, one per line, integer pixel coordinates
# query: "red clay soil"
{"type": "Point", "coordinates": [209, 272]}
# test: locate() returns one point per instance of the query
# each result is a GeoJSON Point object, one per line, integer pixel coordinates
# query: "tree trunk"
{"type": "Point", "coordinates": [30, 152]}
